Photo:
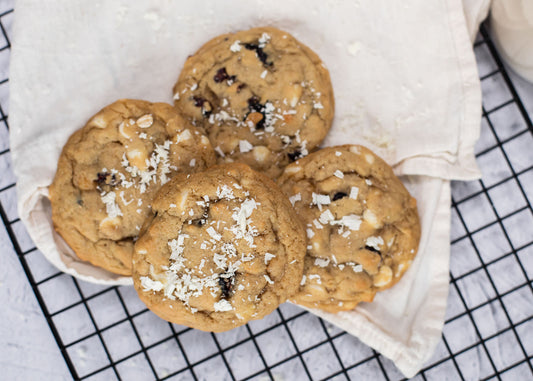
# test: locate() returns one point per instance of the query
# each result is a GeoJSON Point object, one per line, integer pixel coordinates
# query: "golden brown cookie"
{"type": "Point", "coordinates": [262, 97]}
{"type": "Point", "coordinates": [362, 225]}
{"type": "Point", "coordinates": [223, 247]}
{"type": "Point", "coordinates": [110, 170]}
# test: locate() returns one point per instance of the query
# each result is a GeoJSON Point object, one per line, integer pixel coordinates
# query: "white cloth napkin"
{"type": "Point", "coordinates": [405, 85]}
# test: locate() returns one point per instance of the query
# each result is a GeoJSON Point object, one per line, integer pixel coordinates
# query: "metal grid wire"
{"type": "Point", "coordinates": [106, 333]}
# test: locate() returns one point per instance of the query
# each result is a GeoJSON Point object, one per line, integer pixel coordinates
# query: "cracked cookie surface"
{"type": "Point", "coordinates": [109, 171]}
{"type": "Point", "coordinates": [222, 247]}
{"type": "Point", "coordinates": [362, 225]}
{"type": "Point", "coordinates": [262, 97]}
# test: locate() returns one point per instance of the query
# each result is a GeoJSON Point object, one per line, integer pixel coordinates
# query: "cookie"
{"type": "Point", "coordinates": [262, 97]}
{"type": "Point", "coordinates": [109, 172]}
{"type": "Point", "coordinates": [222, 247]}
{"type": "Point", "coordinates": [362, 225]}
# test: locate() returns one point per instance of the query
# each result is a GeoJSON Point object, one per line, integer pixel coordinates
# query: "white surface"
{"type": "Point", "coordinates": [399, 93]}
{"type": "Point", "coordinates": [512, 26]}
{"type": "Point", "coordinates": [28, 350]}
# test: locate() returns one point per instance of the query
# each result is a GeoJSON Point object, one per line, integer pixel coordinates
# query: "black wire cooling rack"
{"type": "Point", "coordinates": [105, 333]}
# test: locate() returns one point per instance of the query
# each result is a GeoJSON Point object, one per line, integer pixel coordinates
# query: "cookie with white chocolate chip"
{"type": "Point", "coordinates": [222, 247]}
{"type": "Point", "coordinates": [262, 97]}
{"type": "Point", "coordinates": [362, 225]}
{"type": "Point", "coordinates": [109, 172]}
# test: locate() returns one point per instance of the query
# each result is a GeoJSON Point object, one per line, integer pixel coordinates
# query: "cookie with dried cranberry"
{"type": "Point", "coordinates": [222, 247]}
{"type": "Point", "coordinates": [109, 171]}
{"type": "Point", "coordinates": [362, 225]}
{"type": "Point", "coordinates": [262, 97]}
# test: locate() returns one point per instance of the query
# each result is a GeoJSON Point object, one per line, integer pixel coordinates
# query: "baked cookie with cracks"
{"type": "Point", "coordinates": [221, 248]}
{"type": "Point", "coordinates": [109, 171]}
{"type": "Point", "coordinates": [262, 97]}
{"type": "Point", "coordinates": [362, 226]}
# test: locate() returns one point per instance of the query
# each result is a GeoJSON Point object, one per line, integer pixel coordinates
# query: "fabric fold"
{"type": "Point", "coordinates": [405, 84]}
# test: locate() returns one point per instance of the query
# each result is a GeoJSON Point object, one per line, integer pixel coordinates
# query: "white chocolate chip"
{"type": "Point", "coordinates": [137, 158]}
{"type": "Point", "coordinates": [204, 141]}
{"type": "Point", "coordinates": [371, 218]}
{"type": "Point", "coordinates": [369, 158]}
{"type": "Point", "coordinates": [145, 121]}
{"type": "Point", "coordinates": [261, 153]}
{"type": "Point", "coordinates": [355, 149]}
{"type": "Point", "coordinates": [292, 169]}
{"type": "Point", "coordinates": [109, 226]}
{"type": "Point", "coordinates": [98, 121]}
{"type": "Point", "coordinates": [184, 135]}
{"type": "Point", "coordinates": [383, 277]}
{"type": "Point", "coordinates": [124, 128]}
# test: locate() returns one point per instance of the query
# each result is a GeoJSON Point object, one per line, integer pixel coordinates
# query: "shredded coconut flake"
{"type": "Point", "coordinates": [326, 217]}
{"type": "Point", "coordinates": [357, 268]}
{"type": "Point", "coordinates": [354, 192]}
{"type": "Point", "coordinates": [374, 242]}
{"type": "Point", "coordinates": [317, 224]}
{"type": "Point", "coordinates": [225, 192]}
{"type": "Point", "coordinates": [149, 284]}
{"type": "Point", "coordinates": [213, 233]}
{"type": "Point", "coordinates": [351, 221]}
{"type": "Point", "coordinates": [321, 262]}
{"type": "Point", "coordinates": [339, 174]}
{"type": "Point", "coordinates": [245, 146]}
{"type": "Point", "coordinates": [296, 197]}
{"type": "Point", "coordinates": [321, 199]}
{"type": "Point", "coordinates": [111, 207]}
{"type": "Point", "coordinates": [270, 281]}
{"type": "Point", "coordinates": [268, 257]}
{"type": "Point", "coordinates": [235, 47]}
{"type": "Point", "coordinates": [263, 40]}
{"type": "Point", "coordinates": [222, 306]}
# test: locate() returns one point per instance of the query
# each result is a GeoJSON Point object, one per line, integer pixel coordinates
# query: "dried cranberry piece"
{"type": "Point", "coordinates": [226, 285]}
{"type": "Point", "coordinates": [254, 105]}
{"type": "Point", "coordinates": [339, 195]}
{"type": "Point", "coordinates": [261, 55]}
{"type": "Point", "coordinates": [198, 222]}
{"type": "Point", "coordinates": [221, 75]}
{"type": "Point", "coordinates": [198, 101]}
{"type": "Point", "coordinates": [101, 177]}
{"type": "Point", "coordinates": [294, 155]}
